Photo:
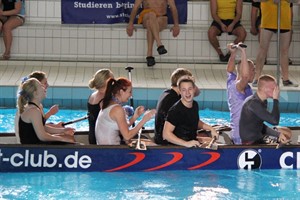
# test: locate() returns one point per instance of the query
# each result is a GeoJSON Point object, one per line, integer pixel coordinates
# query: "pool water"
{"type": "Point", "coordinates": [164, 185]}
{"type": "Point", "coordinates": [211, 117]}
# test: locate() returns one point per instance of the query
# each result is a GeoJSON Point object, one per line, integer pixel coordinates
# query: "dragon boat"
{"type": "Point", "coordinates": [123, 158]}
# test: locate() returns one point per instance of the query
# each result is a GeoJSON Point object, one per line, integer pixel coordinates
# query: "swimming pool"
{"type": "Point", "coordinates": [164, 185]}
{"type": "Point", "coordinates": [209, 116]}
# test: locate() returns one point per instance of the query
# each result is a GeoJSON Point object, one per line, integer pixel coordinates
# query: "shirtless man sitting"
{"type": "Point", "coordinates": [154, 19]}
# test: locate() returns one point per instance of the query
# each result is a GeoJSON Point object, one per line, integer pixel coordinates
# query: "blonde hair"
{"type": "Point", "coordinates": [25, 94]}
{"type": "Point", "coordinates": [263, 79]}
{"type": "Point", "coordinates": [238, 67]}
{"type": "Point", "coordinates": [177, 74]}
{"type": "Point", "coordinates": [186, 79]}
{"type": "Point", "coordinates": [100, 78]}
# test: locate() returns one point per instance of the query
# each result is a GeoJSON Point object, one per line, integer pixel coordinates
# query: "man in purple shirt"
{"type": "Point", "coordinates": [238, 88]}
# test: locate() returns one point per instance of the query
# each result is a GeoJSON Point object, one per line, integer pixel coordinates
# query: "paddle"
{"type": "Point", "coordinates": [74, 121]}
{"type": "Point", "coordinates": [219, 128]}
{"type": "Point", "coordinates": [129, 68]}
{"type": "Point", "coordinates": [141, 145]}
{"type": "Point", "coordinates": [130, 78]}
{"type": "Point", "coordinates": [238, 45]}
{"type": "Point", "coordinates": [206, 141]}
{"type": "Point", "coordinates": [212, 145]}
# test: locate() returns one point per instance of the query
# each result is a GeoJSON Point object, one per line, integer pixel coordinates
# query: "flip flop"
{"type": "Point", "coordinates": [161, 50]}
{"type": "Point", "coordinates": [150, 61]}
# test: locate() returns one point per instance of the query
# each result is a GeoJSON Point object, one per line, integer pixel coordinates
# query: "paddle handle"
{"type": "Point", "coordinates": [238, 45]}
{"type": "Point", "coordinates": [129, 69]}
{"type": "Point", "coordinates": [74, 121]}
{"type": "Point", "coordinates": [211, 142]}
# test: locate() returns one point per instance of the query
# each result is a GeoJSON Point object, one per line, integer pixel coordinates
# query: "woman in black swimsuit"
{"type": "Point", "coordinates": [32, 129]}
{"type": "Point", "coordinates": [94, 104]}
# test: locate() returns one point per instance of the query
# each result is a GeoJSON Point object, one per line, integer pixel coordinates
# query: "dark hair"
{"type": "Point", "coordinates": [39, 75]}
{"type": "Point", "coordinates": [113, 87]}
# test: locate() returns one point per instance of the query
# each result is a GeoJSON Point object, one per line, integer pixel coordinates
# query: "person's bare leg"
{"type": "Point", "coordinates": [150, 42]}
{"type": "Point", "coordinates": [2, 20]}
{"type": "Point", "coordinates": [284, 54]}
{"type": "Point", "coordinates": [154, 26]}
{"type": "Point", "coordinates": [163, 23]}
{"type": "Point", "coordinates": [8, 27]}
{"type": "Point", "coordinates": [213, 32]}
{"type": "Point", "coordinates": [291, 38]}
{"type": "Point", "coordinates": [150, 22]}
{"type": "Point", "coordinates": [240, 34]}
{"type": "Point", "coordinates": [265, 38]}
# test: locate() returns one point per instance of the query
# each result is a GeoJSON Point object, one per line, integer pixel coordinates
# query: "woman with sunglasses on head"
{"type": "Point", "coordinates": [32, 129]}
{"type": "Point", "coordinates": [111, 121]}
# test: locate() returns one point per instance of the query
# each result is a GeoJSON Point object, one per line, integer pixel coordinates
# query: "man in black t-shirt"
{"type": "Point", "coordinates": [167, 99]}
{"type": "Point", "coordinates": [182, 121]}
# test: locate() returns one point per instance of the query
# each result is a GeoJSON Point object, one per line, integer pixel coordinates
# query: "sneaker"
{"type": "Point", "coordinates": [161, 50]}
{"type": "Point", "coordinates": [290, 62]}
{"type": "Point", "coordinates": [224, 58]}
{"type": "Point", "coordinates": [289, 83]}
{"type": "Point", "coordinates": [150, 61]}
{"type": "Point", "coordinates": [254, 83]}
{"type": "Point", "coordinates": [227, 56]}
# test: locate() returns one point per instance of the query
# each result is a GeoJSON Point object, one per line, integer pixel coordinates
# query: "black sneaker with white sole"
{"type": "Point", "coordinates": [289, 83]}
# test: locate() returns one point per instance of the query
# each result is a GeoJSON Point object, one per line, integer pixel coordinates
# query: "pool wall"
{"type": "Point", "coordinates": [76, 98]}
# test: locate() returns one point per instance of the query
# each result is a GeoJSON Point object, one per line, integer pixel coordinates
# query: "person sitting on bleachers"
{"type": "Point", "coordinates": [12, 15]}
{"type": "Point", "coordinates": [226, 16]}
{"type": "Point", "coordinates": [154, 18]}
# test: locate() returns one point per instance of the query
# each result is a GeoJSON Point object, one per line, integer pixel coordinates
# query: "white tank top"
{"type": "Point", "coordinates": [107, 130]}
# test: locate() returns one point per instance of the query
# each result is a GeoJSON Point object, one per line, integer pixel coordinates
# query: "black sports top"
{"type": "Point", "coordinates": [93, 111]}
{"type": "Point", "coordinates": [27, 132]}
{"type": "Point", "coordinates": [167, 99]}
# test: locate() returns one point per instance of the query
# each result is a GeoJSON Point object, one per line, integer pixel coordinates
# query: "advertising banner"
{"type": "Point", "coordinates": [107, 11]}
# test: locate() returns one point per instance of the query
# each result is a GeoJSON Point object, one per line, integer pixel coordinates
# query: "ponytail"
{"type": "Point", "coordinates": [21, 102]}
{"type": "Point", "coordinates": [99, 79]}
{"type": "Point", "coordinates": [25, 94]}
{"type": "Point", "coordinates": [113, 87]}
{"type": "Point", "coordinates": [108, 93]}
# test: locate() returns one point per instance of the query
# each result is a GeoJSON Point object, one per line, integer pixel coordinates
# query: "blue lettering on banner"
{"type": "Point", "coordinates": [108, 11]}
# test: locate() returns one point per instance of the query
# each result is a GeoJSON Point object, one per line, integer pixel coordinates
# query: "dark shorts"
{"type": "Point", "coordinates": [227, 22]}
{"type": "Point", "coordinates": [257, 24]}
{"type": "Point", "coordinates": [275, 30]}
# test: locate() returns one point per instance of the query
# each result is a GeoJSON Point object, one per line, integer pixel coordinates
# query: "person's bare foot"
{"type": "Point", "coordinates": [6, 56]}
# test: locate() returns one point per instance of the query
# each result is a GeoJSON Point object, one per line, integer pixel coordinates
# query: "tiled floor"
{"type": "Point", "coordinates": [77, 74]}
{"type": "Point", "coordinates": [69, 82]}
